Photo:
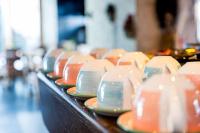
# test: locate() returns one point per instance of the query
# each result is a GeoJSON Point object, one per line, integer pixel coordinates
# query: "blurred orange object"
{"type": "Point", "coordinates": [72, 69]}
{"type": "Point", "coordinates": [114, 55]}
{"type": "Point", "coordinates": [60, 64]}
{"type": "Point", "coordinates": [98, 52]}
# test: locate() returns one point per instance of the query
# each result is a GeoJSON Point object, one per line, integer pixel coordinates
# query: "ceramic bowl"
{"type": "Point", "coordinates": [60, 64]}
{"type": "Point", "coordinates": [117, 88]}
{"type": "Point", "coordinates": [98, 52]}
{"type": "Point", "coordinates": [192, 71]}
{"type": "Point", "coordinates": [72, 68]}
{"type": "Point", "coordinates": [114, 55]}
{"type": "Point", "coordinates": [138, 59]}
{"type": "Point", "coordinates": [49, 60]}
{"type": "Point", "coordinates": [166, 103]}
{"type": "Point", "coordinates": [161, 64]}
{"type": "Point", "coordinates": [90, 76]}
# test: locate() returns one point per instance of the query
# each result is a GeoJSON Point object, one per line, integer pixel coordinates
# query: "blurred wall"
{"type": "Point", "coordinates": [124, 9]}
{"type": "Point", "coordinates": [20, 24]}
{"type": "Point", "coordinates": [148, 30]}
{"type": "Point", "coordinates": [6, 24]}
{"type": "Point", "coordinates": [101, 32]}
{"type": "Point", "coordinates": [49, 23]}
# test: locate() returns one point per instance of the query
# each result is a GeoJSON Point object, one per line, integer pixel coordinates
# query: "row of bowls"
{"type": "Point", "coordinates": [159, 94]}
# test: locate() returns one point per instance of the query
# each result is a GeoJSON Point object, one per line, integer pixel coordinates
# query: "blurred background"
{"type": "Point", "coordinates": [28, 28]}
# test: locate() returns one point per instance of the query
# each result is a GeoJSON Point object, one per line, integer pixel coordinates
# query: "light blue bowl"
{"type": "Point", "coordinates": [88, 82]}
{"type": "Point", "coordinates": [110, 95]}
{"type": "Point", "coordinates": [48, 64]}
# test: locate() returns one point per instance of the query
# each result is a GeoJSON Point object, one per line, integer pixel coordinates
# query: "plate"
{"type": "Point", "coordinates": [72, 92]}
{"type": "Point", "coordinates": [125, 122]}
{"type": "Point", "coordinates": [53, 76]}
{"type": "Point", "coordinates": [62, 83]}
{"type": "Point", "coordinates": [92, 105]}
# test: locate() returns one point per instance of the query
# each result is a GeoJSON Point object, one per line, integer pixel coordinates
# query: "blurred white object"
{"type": "Point", "coordinates": [161, 64]}
{"type": "Point", "coordinates": [84, 49]}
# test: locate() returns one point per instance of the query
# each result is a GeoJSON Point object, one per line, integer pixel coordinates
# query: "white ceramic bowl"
{"type": "Point", "coordinates": [90, 76]}
{"type": "Point", "coordinates": [117, 88]}
{"type": "Point", "coordinates": [114, 55]}
{"type": "Point", "coordinates": [138, 59]}
{"type": "Point", "coordinates": [49, 59]}
{"type": "Point", "coordinates": [161, 64]}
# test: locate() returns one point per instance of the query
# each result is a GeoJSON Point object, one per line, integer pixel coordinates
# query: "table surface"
{"type": "Point", "coordinates": [58, 109]}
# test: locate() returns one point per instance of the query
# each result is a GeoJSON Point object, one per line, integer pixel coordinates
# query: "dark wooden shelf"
{"type": "Point", "coordinates": [62, 113]}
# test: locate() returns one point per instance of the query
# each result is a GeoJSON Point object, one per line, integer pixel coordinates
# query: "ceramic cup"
{"type": "Point", "coordinates": [72, 68]}
{"type": "Point", "coordinates": [138, 59]}
{"type": "Point", "coordinates": [98, 52]}
{"type": "Point", "coordinates": [161, 64]}
{"type": "Point", "coordinates": [166, 103]}
{"type": "Point", "coordinates": [114, 55]}
{"type": "Point", "coordinates": [192, 71]}
{"type": "Point", "coordinates": [117, 88]}
{"type": "Point", "coordinates": [60, 63]}
{"type": "Point", "coordinates": [90, 76]}
{"type": "Point", "coordinates": [49, 60]}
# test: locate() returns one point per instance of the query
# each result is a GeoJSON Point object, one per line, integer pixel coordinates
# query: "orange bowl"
{"type": "Point", "coordinates": [113, 60]}
{"type": "Point", "coordinates": [71, 73]}
{"type": "Point", "coordinates": [60, 64]}
{"type": "Point", "coordinates": [98, 52]}
{"type": "Point", "coordinates": [114, 55]}
{"type": "Point", "coordinates": [59, 67]}
{"type": "Point", "coordinates": [69, 79]}
{"type": "Point", "coordinates": [137, 59]}
{"type": "Point", "coordinates": [167, 101]}
{"type": "Point", "coordinates": [72, 68]}
{"type": "Point", "coordinates": [191, 70]}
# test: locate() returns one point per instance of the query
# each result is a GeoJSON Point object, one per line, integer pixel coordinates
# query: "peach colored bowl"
{"type": "Point", "coordinates": [124, 63]}
{"type": "Point", "coordinates": [138, 59]}
{"type": "Point", "coordinates": [114, 55]}
{"type": "Point", "coordinates": [72, 71]}
{"type": "Point", "coordinates": [192, 71]}
{"type": "Point", "coordinates": [98, 52]}
{"type": "Point", "coordinates": [113, 60]}
{"type": "Point", "coordinates": [149, 121]}
{"type": "Point", "coordinates": [195, 79]}
{"type": "Point", "coordinates": [193, 120]}
{"type": "Point", "coordinates": [60, 67]}
{"type": "Point", "coordinates": [72, 68]}
{"type": "Point", "coordinates": [60, 64]}
{"type": "Point", "coordinates": [157, 107]}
